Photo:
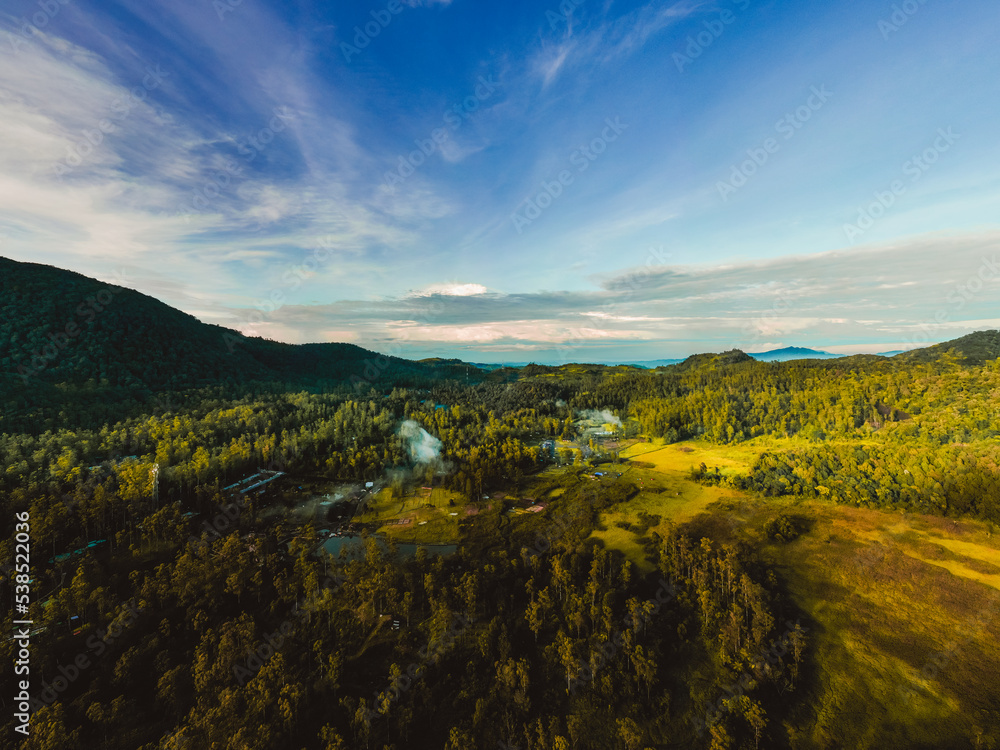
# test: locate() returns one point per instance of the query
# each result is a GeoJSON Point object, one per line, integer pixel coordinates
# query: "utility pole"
{"type": "Point", "coordinates": [155, 474]}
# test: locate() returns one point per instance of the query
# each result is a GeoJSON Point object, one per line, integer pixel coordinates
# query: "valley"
{"type": "Point", "coordinates": [717, 553]}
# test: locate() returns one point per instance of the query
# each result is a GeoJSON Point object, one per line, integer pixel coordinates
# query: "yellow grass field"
{"type": "Point", "coordinates": [668, 492]}
{"type": "Point", "coordinates": [433, 508]}
{"type": "Point", "coordinates": [903, 610]}
{"type": "Point", "coordinates": [680, 457]}
{"type": "Point", "coordinates": [897, 635]}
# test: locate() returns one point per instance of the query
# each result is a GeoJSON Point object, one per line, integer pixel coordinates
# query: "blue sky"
{"type": "Point", "coordinates": [599, 181]}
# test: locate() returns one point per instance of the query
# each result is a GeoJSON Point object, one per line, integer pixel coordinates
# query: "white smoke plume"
{"type": "Point", "coordinates": [604, 417]}
{"type": "Point", "coordinates": [424, 448]}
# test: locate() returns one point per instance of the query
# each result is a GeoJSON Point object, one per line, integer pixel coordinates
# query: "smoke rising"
{"type": "Point", "coordinates": [604, 417]}
{"type": "Point", "coordinates": [424, 448]}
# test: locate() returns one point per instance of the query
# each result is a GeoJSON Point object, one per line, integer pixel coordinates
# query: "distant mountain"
{"type": "Point", "coordinates": [651, 364]}
{"type": "Point", "coordinates": [490, 366]}
{"type": "Point", "coordinates": [792, 352]}
{"type": "Point", "coordinates": [893, 353]}
{"type": "Point", "coordinates": [71, 345]}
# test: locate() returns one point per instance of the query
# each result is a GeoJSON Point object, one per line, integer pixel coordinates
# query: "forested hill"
{"type": "Point", "coordinates": [974, 349]}
{"type": "Point", "coordinates": [712, 361]}
{"type": "Point", "coordinates": [66, 339]}
{"type": "Point", "coordinates": [75, 351]}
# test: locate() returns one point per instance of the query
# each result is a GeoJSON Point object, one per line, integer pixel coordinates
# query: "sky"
{"type": "Point", "coordinates": [588, 180]}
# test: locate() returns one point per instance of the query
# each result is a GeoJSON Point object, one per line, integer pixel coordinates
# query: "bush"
{"type": "Point", "coordinates": [781, 528]}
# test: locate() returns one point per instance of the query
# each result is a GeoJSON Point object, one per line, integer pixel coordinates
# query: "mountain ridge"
{"type": "Point", "coordinates": [61, 331]}
{"type": "Point", "coordinates": [70, 340]}
{"type": "Point", "coordinates": [789, 353]}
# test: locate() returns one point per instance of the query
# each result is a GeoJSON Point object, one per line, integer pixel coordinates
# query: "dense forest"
{"type": "Point", "coordinates": [165, 615]}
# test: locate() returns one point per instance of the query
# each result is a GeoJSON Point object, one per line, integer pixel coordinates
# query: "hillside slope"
{"type": "Point", "coordinates": [973, 349]}
{"type": "Point", "coordinates": [67, 339]}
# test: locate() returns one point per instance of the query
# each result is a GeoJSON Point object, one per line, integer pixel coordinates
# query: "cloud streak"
{"type": "Point", "coordinates": [862, 298]}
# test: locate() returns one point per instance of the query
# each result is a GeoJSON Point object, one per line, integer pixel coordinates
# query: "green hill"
{"type": "Point", "coordinates": [711, 360]}
{"type": "Point", "coordinates": [75, 350]}
{"type": "Point", "coordinates": [61, 327]}
{"type": "Point", "coordinates": [67, 341]}
{"type": "Point", "coordinates": [973, 349]}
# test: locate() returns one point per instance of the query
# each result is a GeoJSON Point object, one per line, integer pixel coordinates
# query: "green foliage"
{"type": "Point", "coordinates": [782, 528]}
{"type": "Point", "coordinates": [120, 444]}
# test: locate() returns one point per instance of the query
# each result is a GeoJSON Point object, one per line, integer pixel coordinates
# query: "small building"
{"type": "Point", "coordinates": [258, 482]}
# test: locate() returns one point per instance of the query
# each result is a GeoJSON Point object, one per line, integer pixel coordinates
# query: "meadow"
{"type": "Point", "coordinates": [420, 516]}
{"type": "Point", "coordinates": [903, 610]}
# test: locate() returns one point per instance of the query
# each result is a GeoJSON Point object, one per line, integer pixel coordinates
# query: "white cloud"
{"type": "Point", "coordinates": [609, 39]}
{"type": "Point", "coordinates": [452, 289]}
{"type": "Point", "coordinates": [535, 331]}
{"type": "Point", "coordinates": [624, 318]}
{"type": "Point", "coordinates": [551, 61]}
{"type": "Point", "coordinates": [453, 152]}
{"type": "Point", "coordinates": [120, 202]}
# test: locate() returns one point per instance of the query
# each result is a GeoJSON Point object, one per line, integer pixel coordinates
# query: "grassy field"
{"type": "Point", "coordinates": [903, 610]}
{"type": "Point", "coordinates": [426, 513]}
{"type": "Point", "coordinates": [906, 647]}
{"type": "Point", "coordinates": [680, 457]}
{"type": "Point", "coordinates": [666, 491]}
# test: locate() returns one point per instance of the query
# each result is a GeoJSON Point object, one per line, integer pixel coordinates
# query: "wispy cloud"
{"type": "Point", "coordinates": [605, 37]}
{"type": "Point", "coordinates": [226, 160]}
{"type": "Point", "coordinates": [551, 60]}
{"type": "Point", "coordinates": [99, 169]}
